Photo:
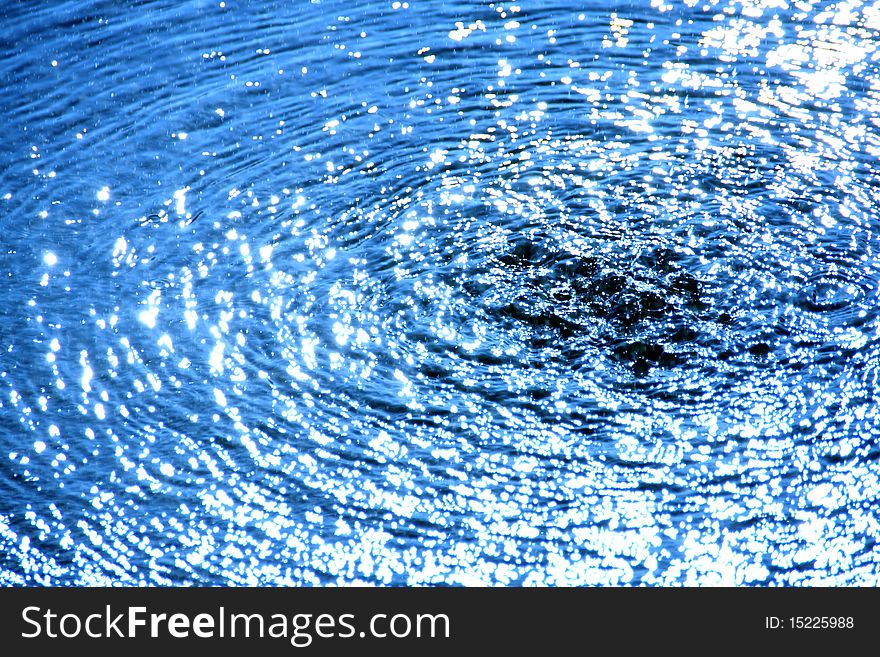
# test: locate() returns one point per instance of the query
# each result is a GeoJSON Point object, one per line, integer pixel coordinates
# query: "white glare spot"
{"type": "Point", "coordinates": [219, 397]}
{"type": "Point", "coordinates": [180, 198]}
{"type": "Point", "coordinates": [148, 317]}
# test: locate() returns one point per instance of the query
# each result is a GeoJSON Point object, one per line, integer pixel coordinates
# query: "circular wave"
{"type": "Point", "coordinates": [516, 311]}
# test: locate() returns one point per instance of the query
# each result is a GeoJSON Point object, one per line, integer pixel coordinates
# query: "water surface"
{"type": "Point", "coordinates": [439, 293]}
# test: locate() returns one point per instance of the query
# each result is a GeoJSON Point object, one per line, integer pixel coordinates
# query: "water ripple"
{"type": "Point", "coordinates": [432, 293]}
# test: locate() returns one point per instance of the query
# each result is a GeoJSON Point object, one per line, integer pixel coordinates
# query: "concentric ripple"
{"type": "Point", "coordinates": [436, 293]}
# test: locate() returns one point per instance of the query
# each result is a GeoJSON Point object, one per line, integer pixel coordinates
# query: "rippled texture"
{"type": "Point", "coordinates": [440, 292]}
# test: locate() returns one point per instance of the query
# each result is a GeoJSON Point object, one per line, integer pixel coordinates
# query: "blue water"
{"type": "Point", "coordinates": [439, 292]}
